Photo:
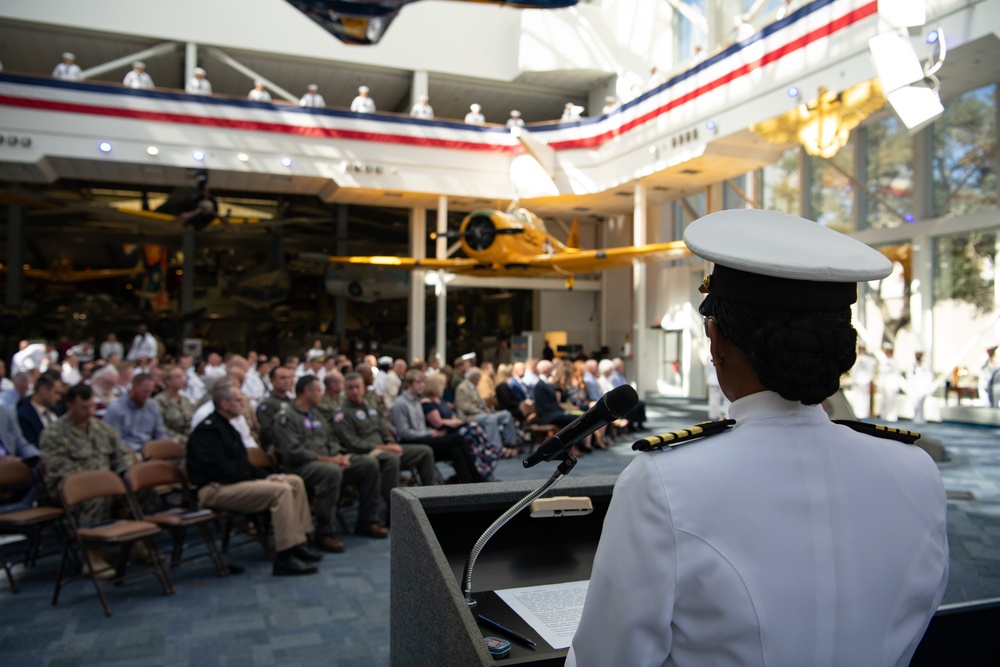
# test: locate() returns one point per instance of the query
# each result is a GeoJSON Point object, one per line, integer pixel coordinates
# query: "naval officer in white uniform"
{"type": "Point", "coordinates": [787, 539]}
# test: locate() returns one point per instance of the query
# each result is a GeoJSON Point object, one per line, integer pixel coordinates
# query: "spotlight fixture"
{"type": "Point", "coordinates": [710, 125]}
{"type": "Point", "coordinates": [198, 155]}
{"type": "Point", "coordinates": [793, 91]}
{"type": "Point", "coordinates": [286, 162]}
{"type": "Point", "coordinates": [910, 86]}
{"type": "Point", "coordinates": [104, 146]}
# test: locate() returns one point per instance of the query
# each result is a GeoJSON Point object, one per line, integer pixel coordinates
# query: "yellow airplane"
{"type": "Point", "coordinates": [61, 271]}
{"type": "Point", "coordinates": [517, 244]}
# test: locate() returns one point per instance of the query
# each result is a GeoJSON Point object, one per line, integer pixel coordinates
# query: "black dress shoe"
{"type": "Point", "coordinates": [306, 555]}
{"type": "Point", "coordinates": [292, 566]}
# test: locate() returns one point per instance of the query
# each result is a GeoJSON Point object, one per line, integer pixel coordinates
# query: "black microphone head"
{"type": "Point", "coordinates": [620, 400]}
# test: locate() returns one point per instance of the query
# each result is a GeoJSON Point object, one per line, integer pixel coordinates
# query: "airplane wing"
{"type": "Point", "coordinates": [563, 264]}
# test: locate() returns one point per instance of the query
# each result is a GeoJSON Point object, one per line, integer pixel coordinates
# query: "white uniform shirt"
{"type": "Point", "coordinates": [198, 86]}
{"type": "Point", "coordinates": [259, 96]}
{"type": "Point", "coordinates": [194, 386]}
{"type": "Point", "coordinates": [514, 122]}
{"type": "Point", "coordinates": [239, 422]}
{"type": "Point", "coordinates": [422, 111]}
{"type": "Point", "coordinates": [137, 80]}
{"type": "Point", "coordinates": [314, 100]}
{"type": "Point", "coordinates": [70, 72]}
{"type": "Point", "coordinates": [110, 347]}
{"type": "Point", "coordinates": [363, 104]}
{"type": "Point", "coordinates": [474, 118]}
{"type": "Point", "coordinates": [143, 345]}
{"type": "Point", "coordinates": [789, 540]}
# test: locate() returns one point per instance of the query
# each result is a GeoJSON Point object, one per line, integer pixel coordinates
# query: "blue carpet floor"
{"type": "Point", "coordinates": [340, 617]}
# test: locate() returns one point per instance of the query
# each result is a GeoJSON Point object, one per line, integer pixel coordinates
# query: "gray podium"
{"type": "Point", "coordinates": [433, 530]}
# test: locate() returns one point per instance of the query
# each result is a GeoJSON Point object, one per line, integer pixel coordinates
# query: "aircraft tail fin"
{"type": "Point", "coordinates": [574, 235]}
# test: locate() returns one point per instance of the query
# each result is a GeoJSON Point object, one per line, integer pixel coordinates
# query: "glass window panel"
{"type": "Point", "coordinates": [890, 174]}
{"type": "Point", "coordinates": [965, 269]}
{"type": "Point", "coordinates": [831, 191]}
{"type": "Point", "coordinates": [963, 165]}
{"type": "Point", "coordinates": [965, 303]}
{"type": "Point", "coordinates": [730, 197]}
{"type": "Point", "coordinates": [689, 34]}
{"type": "Point", "coordinates": [781, 183]}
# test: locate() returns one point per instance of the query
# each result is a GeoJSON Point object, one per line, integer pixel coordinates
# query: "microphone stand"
{"type": "Point", "coordinates": [568, 462]}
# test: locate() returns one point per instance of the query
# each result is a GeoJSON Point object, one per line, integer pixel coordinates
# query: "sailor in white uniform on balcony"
{"type": "Point", "coordinates": [68, 70]}
{"type": "Point", "coordinates": [312, 98]}
{"type": "Point", "coordinates": [138, 77]}
{"type": "Point", "coordinates": [363, 103]}
{"type": "Point", "coordinates": [198, 84]}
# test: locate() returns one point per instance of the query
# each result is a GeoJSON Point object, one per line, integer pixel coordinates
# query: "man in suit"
{"type": "Point", "coordinates": [36, 413]}
{"type": "Point", "coordinates": [13, 445]}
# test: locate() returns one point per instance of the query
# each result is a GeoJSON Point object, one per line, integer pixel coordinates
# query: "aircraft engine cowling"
{"type": "Point", "coordinates": [481, 232]}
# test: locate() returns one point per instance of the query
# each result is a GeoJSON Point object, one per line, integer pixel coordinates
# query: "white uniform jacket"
{"type": "Point", "coordinates": [789, 540]}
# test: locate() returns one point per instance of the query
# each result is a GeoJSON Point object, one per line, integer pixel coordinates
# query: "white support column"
{"type": "Point", "coordinates": [419, 86]}
{"type": "Point", "coordinates": [921, 290]}
{"type": "Point", "coordinates": [441, 252]}
{"type": "Point", "coordinates": [640, 369]}
{"type": "Point", "coordinates": [418, 249]}
{"type": "Point", "coordinates": [190, 61]}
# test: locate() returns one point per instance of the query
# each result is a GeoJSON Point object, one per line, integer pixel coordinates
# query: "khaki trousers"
{"type": "Point", "coordinates": [286, 500]}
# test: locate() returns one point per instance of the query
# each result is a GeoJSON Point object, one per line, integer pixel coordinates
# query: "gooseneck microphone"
{"type": "Point", "coordinates": [613, 405]}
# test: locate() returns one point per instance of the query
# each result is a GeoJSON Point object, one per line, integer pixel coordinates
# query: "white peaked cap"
{"type": "Point", "coordinates": [773, 259]}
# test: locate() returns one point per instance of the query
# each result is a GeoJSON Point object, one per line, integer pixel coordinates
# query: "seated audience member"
{"type": "Point", "coordinates": [282, 382]}
{"type": "Point", "coordinates": [239, 422]}
{"type": "Point", "coordinates": [548, 398]}
{"type": "Point", "coordinates": [218, 467]}
{"type": "Point", "coordinates": [636, 416]}
{"type": "Point", "coordinates": [194, 387]}
{"type": "Point", "coordinates": [70, 370]}
{"type": "Point", "coordinates": [499, 425]}
{"type": "Point", "coordinates": [306, 446]}
{"type": "Point", "coordinates": [516, 383]}
{"type": "Point", "coordinates": [13, 445]}
{"type": "Point", "coordinates": [448, 393]}
{"type": "Point", "coordinates": [439, 415]}
{"type": "Point", "coordinates": [21, 385]}
{"type": "Point", "coordinates": [136, 418]}
{"type": "Point", "coordinates": [487, 385]}
{"type": "Point", "coordinates": [362, 429]}
{"type": "Point", "coordinates": [393, 383]}
{"type": "Point", "coordinates": [407, 417]}
{"type": "Point", "coordinates": [36, 413]}
{"type": "Point", "coordinates": [77, 442]}
{"type": "Point", "coordinates": [506, 400]}
{"type": "Point", "coordinates": [333, 395]}
{"type": "Point", "coordinates": [104, 382]}
{"type": "Point", "coordinates": [177, 410]}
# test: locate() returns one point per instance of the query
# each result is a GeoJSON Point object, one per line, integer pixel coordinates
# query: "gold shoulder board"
{"type": "Point", "coordinates": [880, 431]}
{"type": "Point", "coordinates": [668, 440]}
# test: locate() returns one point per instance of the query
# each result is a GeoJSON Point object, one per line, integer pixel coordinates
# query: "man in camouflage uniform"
{"type": "Point", "coordinates": [309, 449]}
{"type": "Point", "coordinates": [78, 442]}
{"type": "Point", "coordinates": [177, 410]}
{"type": "Point", "coordinates": [362, 429]}
{"type": "Point", "coordinates": [333, 396]}
{"type": "Point", "coordinates": [267, 412]}
{"type": "Point", "coordinates": [369, 397]}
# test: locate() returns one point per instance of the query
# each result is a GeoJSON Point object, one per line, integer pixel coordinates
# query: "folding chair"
{"type": "Point", "coordinates": [89, 485]}
{"type": "Point", "coordinates": [163, 450]}
{"type": "Point", "coordinates": [15, 475]}
{"type": "Point", "coordinates": [152, 474]}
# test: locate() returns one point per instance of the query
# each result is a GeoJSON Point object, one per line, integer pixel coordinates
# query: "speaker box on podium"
{"type": "Point", "coordinates": [433, 531]}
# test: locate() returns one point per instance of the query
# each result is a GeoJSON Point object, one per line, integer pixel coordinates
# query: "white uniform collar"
{"type": "Point", "coordinates": [768, 404]}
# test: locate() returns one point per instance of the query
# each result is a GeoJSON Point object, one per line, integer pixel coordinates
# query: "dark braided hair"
{"type": "Point", "coordinates": [799, 354]}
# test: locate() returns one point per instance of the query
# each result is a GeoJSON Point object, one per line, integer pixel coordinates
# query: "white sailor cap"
{"type": "Point", "coordinates": [363, 89]}
{"type": "Point", "coordinates": [68, 56]}
{"type": "Point", "coordinates": [314, 354]}
{"type": "Point", "coordinates": [775, 260]}
{"type": "Point", "coordinates": [475, 108]}
{"type": "Point", "coordinates": [199, 70]}
{"type": "Point", "coordinates": [312, 86]}
{"type": "Point", "coordinates": [515, 113]}
{"type": "Point", "coordinates": [385, 361]}
{"type": "Point", "coordinates": [138, 64]}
